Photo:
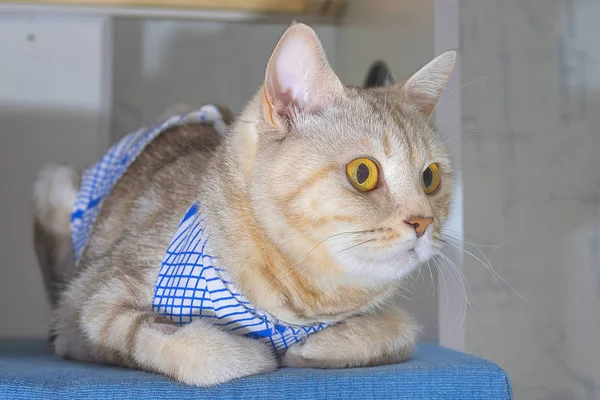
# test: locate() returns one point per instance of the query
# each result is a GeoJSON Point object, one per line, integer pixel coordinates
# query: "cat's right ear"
{"type": "Point", "coordinates": [298, 77]}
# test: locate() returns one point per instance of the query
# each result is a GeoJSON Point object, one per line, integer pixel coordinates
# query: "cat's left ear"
{"type": "Point", "coordinates": [425, 87]}
{"type": "Point", "coordinates": [298, 77]}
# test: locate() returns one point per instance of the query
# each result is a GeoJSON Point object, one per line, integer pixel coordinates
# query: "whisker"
{"type": "Point", "coordinates": [441, 274]}
{"type": "Point", "coordinates": [447, 140]}
{"type": "Point", "coordinates": [409, 280]}
{"type": "Point", "coordinates": [463, 286]}
{"type": "Point", "coordinates": [487, 260]}
{"type": "Point", "coordinates": [488, 267]}
{"type": "Point", "coordinates": [455, 267]}
{"type": "Point", "coordinates": [449, 234]}
{"type": "Point", "coordinates": [483, 255]}
{"type": "Point", "coordinates": [356, 245]}
{"type": "Point", "coordinates": [466, 288]}
{"type": "Point", "coordinates": [458, 279]}
{"type": "Point", "coordinates": [431, 282]}
{"type": "Point", "coordinates": [419, 275]}
{"type": "Point", "coordinates": [449, 268]}
{"type": "Point", "coordinates": [447, 96]}
{"type": "Point", "coordinates": [298, 267]}
{"type": "Point", "coordinates": [298, 270]}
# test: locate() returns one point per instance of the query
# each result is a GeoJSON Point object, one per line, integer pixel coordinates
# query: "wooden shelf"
{"type": "Point", "coordinates": [296, 7]}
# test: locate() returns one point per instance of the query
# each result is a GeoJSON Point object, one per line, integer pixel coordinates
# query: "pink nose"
{"type": "Point", "coordinates": [420, 224]}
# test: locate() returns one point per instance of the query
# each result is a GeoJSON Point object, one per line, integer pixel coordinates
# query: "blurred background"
{"type": "Point", "coordinates": [521, 117]}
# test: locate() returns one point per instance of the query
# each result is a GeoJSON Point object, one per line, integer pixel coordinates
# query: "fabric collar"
{"type": "Point", "coordinates": [191, 284]}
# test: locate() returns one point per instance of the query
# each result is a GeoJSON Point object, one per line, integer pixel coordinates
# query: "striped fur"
{"type": "Point", "coordinates": [298, 240]}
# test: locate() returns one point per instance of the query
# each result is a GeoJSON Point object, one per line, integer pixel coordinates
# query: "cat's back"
{"type": "Point", "coordinates": [145, 205]}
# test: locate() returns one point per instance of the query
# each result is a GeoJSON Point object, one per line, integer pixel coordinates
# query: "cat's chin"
{"type": "Point", "coordinates": [380, 267]}
{"type": "Point", "coordinates": [374, 271]}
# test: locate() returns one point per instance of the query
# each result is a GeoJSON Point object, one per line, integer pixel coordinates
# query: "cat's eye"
{"type": "Point", "coordinates": [431, 179]}
{"type": "Point", "coordinates": [363, 174]}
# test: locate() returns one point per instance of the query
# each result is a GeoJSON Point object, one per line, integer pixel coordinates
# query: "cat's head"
{"type": "Point", "coordinates": [354, 182]}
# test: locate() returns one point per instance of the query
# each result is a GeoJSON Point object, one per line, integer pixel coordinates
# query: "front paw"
{"type": "Point", "coordinates": [300, 355]}
{"type": "Point", "coordinates": [360, 342]}
{"type": "Point", "coordinates": [321, 351]}
{"type": "Point", "coordinates": [202, 355]}
{"type": "Point", "coordinates": [243, 357]}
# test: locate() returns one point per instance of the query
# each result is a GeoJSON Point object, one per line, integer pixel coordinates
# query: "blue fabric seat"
{"type": "Point", "coordinates": [29, 370]}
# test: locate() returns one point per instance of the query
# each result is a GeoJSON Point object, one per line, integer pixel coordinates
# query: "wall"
{"type": "Point", "coordinates": [159, 64]}
{"type": "Point", "coordinates": [53, 108]}
{"type": "Point", "coordinates": [531, 75]}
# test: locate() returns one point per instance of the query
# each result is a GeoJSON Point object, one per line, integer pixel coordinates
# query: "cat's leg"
{"type": "Point", "coordinates": [196, 354]}
{"type": "Point", "coordinates": [384, 337]}
{"type": "Point", "coordinates": [112, 327]}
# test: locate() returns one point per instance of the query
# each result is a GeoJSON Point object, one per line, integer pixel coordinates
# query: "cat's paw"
{"type": "Point", "coordinates": [201, 355]}
{"type": "Point", "coordinates": [242, 357]}
{"type": "Point", "coordinates": [341, 346]}
{"type": "Point", "coordinates": [311, 354]}
{"type": "Point", "coordinates": [323, 355]}
{"type": "Point", "coordinates": [297, 357]}
{"type": "Point", "coordinates": [318, 354]}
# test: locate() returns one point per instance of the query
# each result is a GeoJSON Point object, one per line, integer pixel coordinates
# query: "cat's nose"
{"type": "Point", "coordinates": [420, 224]}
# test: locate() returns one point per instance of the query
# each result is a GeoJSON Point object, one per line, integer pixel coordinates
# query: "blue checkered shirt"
{"type": "Point", "coordinates": [98, 180]}
{"type": "Point", "coordinates": [189, 285]}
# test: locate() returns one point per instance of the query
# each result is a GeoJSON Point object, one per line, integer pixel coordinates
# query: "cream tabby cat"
{"type": "Point", "coordinates": [317, 203]}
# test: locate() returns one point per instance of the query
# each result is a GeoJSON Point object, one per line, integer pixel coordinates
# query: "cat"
{"type": "Point", "coordinates": [315, 205]}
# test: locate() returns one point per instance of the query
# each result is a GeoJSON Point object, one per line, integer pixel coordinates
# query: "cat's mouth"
{"type": "Point", "coordinates": [383, 255]}
{"type": "Point", "coordinates": [411, 249]}
{"type": "Point", "coordinates": [388, 245]}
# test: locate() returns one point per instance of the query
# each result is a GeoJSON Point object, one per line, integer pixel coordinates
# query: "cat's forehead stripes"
{"type": "Point", "coordinates": [402, 134]}
{"type": "Point", "coordinates": [387, 147]}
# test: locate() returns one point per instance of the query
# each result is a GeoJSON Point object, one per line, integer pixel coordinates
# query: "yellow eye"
{"type": "Point", "coordinates": [363, 174]}
{"type": "Point", "coordinates": [431, 179]}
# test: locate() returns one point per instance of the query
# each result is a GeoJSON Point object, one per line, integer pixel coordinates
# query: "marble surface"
{"type": "Point", "coordinates": [531, 173]}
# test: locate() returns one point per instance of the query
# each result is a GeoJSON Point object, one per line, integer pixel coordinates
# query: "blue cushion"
{"type": "Point", "coordinates": [29, 370]}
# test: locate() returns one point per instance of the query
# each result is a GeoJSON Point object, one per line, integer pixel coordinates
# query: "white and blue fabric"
{"type": "Point", "coordinates": [98, 180]}
{"type": "Point", "coordinates": [190, 285]}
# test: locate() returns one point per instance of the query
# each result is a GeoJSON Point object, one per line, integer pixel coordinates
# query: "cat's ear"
{"type": "Point", "coordinates": [298, 77]}
{"type": "Point", "coordinates": [424, 88]}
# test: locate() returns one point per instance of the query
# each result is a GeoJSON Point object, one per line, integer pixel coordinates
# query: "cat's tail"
{"type": "Point", "coordinates": [54, 194]}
